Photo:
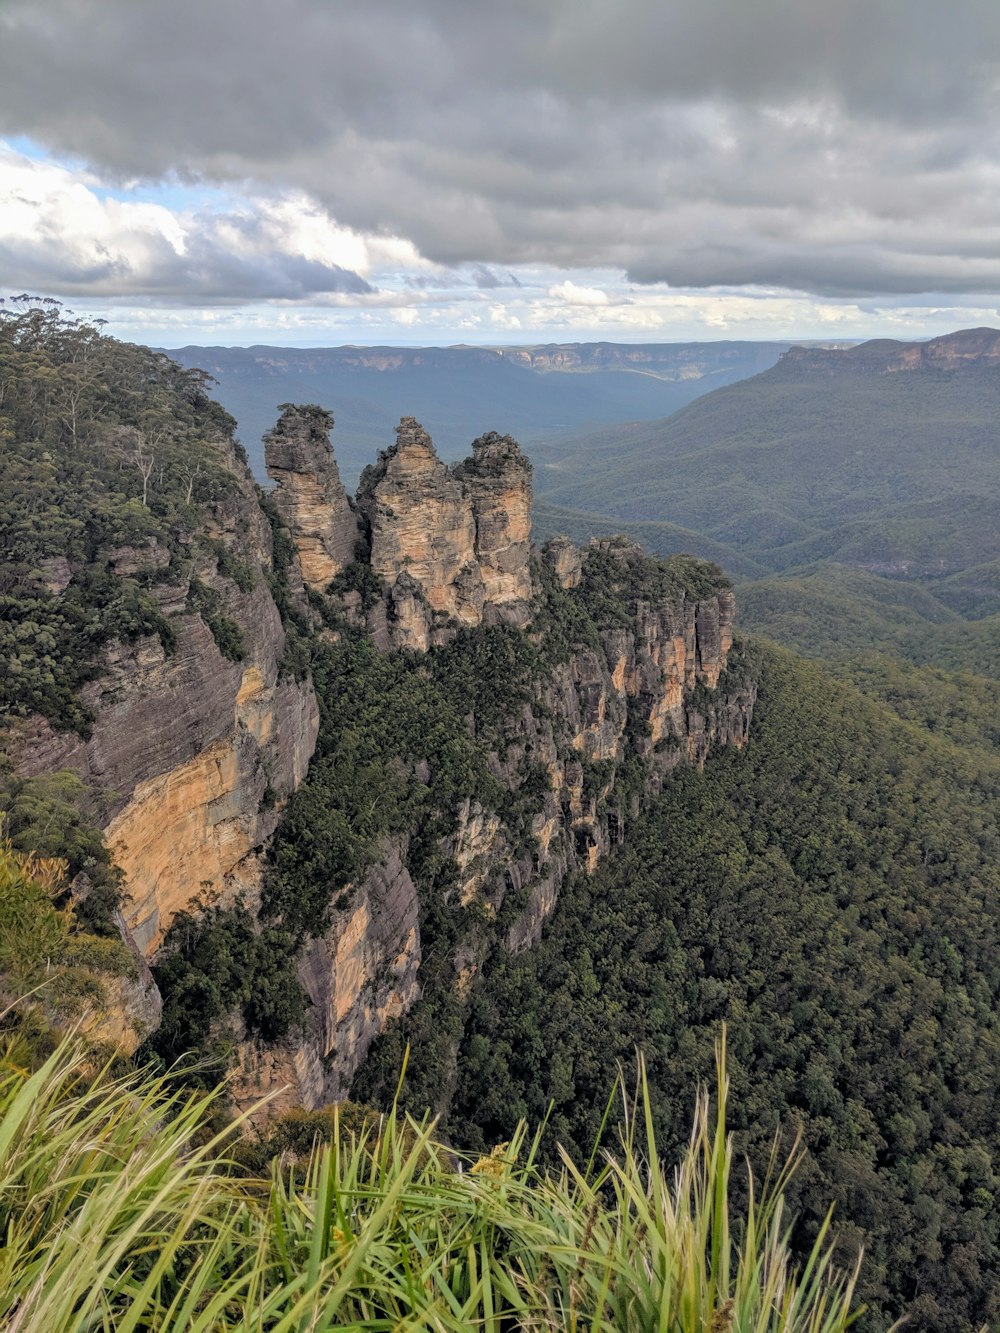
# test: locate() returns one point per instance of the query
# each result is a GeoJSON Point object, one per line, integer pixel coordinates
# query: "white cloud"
{"type": "Point", "coordinates": [569, 292]}
{"type": "Point", "coordinates": [59, 231]}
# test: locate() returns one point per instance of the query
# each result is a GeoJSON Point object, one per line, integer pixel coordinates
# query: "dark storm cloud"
{"type": "Point", "coordinates": [846, 147]}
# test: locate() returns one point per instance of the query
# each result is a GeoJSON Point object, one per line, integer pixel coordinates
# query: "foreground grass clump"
{"type": "Point", "coordinates": [120, 1212]}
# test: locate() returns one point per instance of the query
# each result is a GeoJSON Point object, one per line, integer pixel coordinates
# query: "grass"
{"type": "Point", "coordinates": [121, 1212]}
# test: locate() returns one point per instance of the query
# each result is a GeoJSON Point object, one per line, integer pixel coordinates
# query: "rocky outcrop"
{"type": "Point", "coordinates": [497, 482]}
{"type": "Point", "coordinates": [132, 1005]}
{"type": "Point", "coordinates": [566, 561]}
{"type": "Point", "coordinates": [309, 494]}
{"type": "Point", "coordinates": [649, 681]}
{"type": "Point", "coordinates": [422, 539]}
{"type": "Point", "coordinates": [652, 689]}
{"type": "Point", "coordinates": [361, 973]}
{"type": "Point", "coordinates": [192, 755]}
{"type": "Point", "coordinates": [451, 547]}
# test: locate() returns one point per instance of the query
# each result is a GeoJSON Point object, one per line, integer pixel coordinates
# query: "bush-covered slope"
{"type": "Point", "coordinates": [891, 471]}
{"type": "Point", "coordinates": [832, 892]}
{"type": "Point", "coordinates": [104, 447]}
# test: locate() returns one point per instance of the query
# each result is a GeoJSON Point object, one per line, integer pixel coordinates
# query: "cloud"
{"type": "Point", "coordinates": [848, 149]}
{"type": "Point", "coordinates": [57, 231]}
{"type": "Point", "coordinates": [488, 279]}
{"type": "Point", "coordinates": [573, 295]}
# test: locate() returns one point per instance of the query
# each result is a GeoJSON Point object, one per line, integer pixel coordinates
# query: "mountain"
{"type": "Point", "coordinates": [883, 457]}
{"type": "Point", "coordinates": [445, 722]}
{"type": "Point", "coordinates": [460, 392]}
{"type": "Point", "coordinates": [296, 780]}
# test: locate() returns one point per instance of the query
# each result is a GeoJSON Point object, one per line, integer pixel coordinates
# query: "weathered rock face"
{"type": "Point", "coordinates": [359, 975]}
{"type": "Point", "coordinates": [967, 349]}
{"type": "Point", "coordinates": [132, 1006]}
{"type": "Point", "coordinates": [422, 539]}
{"type": "Point", "coordinates": [497, 482]}
{"type": "Point", "coordinates": [451, 547]}
{"type": "Point", "coordinates": [566, 561]}
{"type": "Point", "coordinates": [651, 683]}
{"type": "Point", "coordinates": [192, 755]}
{"type": "Point", "coordinates": [309, 494]}
{"type": "Point", "coordinates": [652, 690]}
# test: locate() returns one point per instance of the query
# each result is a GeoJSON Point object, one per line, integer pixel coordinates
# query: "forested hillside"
{"type": "Point", "coordinates": [890, 469]}
{"type": "Point", "coordinates": [831, 892]}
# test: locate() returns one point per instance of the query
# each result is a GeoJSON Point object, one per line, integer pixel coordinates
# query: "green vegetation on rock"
{"type": "Point", "coordinates": [105, 448]}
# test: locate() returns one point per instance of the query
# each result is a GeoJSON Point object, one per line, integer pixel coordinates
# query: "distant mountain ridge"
{"type": "Point", "coordinates": [537, 392]}
{"type": "Point", "coordinates": [883, 457]}
{"type": "Point", "coordinates": [962, 350]}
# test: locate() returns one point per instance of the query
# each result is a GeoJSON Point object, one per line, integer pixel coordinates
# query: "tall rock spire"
{"type": "Point", "coordinates": [497, 480]}
{"type": "Point", "coordinates": [310, 496]}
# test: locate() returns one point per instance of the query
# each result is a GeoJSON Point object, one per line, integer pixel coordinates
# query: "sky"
{"type": "Point", "coordinates": [311, 172]}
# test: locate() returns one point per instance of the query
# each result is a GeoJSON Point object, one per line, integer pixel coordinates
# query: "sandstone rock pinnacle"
{"type": "Point", "coordinates": [450, 545]}
{"type": "Point", "coordinates": [310, 496]}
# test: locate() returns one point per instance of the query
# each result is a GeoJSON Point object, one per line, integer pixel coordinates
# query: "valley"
{"type": "Point", "coordinates": [334, 784]}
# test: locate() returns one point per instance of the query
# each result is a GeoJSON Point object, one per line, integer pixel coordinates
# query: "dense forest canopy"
{"type": "Point", "coordinates": [831, 893]}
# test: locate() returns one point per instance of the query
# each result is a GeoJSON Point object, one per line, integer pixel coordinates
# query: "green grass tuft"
{"type": "Point", "coordinates": [121, 1211]}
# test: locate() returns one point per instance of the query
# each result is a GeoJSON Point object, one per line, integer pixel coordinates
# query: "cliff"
{"type": "Point", "coordinates": [309, 494]}
{"type": "Point", "coordinates": [964, 350]}
{"type": "Point", "coordinates": [449, 545]}
{"type": "Point", "coordinates": [163, 634]}
{"type": "Point", "coordinates": [191, 755]}
{"type": "Point", "coordinates": [618, 662]}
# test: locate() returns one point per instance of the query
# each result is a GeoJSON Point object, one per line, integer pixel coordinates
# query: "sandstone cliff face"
{"type": "Point", "coordinates": [639, 694]}
{"type": "Point", "coordinates": [132, 1005]}
{"type": "Point", "coordinates": [451, 547]}
{"type": "Point", "coordinates": [359, 975]}
{"type": "Point", "coordinates": [309, 494]}
{"type": "Point", "coordinates": [192, 755]}
{"type": "Point", "coordinates": [422, 539]}
{"type": "Point", "coordinates": [566, 561]}
{"type": "Point", "coordinates": [652, 685]}
{"type": "Point", "coordinates": [497, 482]}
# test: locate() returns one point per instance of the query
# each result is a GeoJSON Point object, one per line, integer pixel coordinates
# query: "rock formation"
{"type": "Point", "coordinates": [497, 482]}
{"type": "Point", "coordinates": [195, 751]}
{"type": "Point", "coordinates": [309, 494]}
{"type": "Point", "coordinates": [450, 546]}
{"type": "Point", "coordinates": [192, 755]}
{"type": "Point", "coordinates": [361, 973]}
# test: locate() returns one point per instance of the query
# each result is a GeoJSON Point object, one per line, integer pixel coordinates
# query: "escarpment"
{"type": "Point", "coordinates": [578, 678]}
{"type": "Point", "coordinates": [347, 747]}
{"type": "Point", "coordinates": [198, 738]}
